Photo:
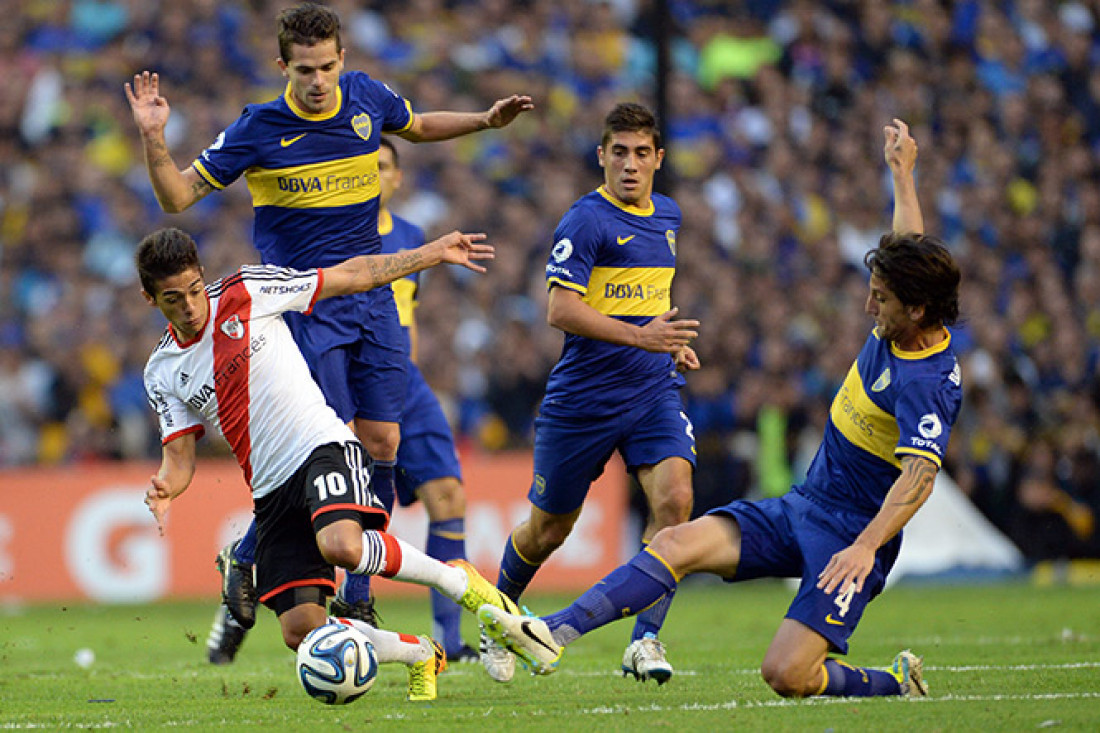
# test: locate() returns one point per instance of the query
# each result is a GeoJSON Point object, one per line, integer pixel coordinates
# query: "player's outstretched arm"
{"type": "Point", "coordinates": [362, 273]}
{"type": "Point", "coordinates": [900, 151]}
{"type": "Point", "coordinates": [175, 189]}
{"type": "Point", "coordinates": [435, 126]}
{"type": "Point", "coordinates": [177, 467]}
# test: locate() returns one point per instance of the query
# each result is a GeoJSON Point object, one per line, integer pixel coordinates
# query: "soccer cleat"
{"type": "Point", "coordinates": [360, 610]}
{"type": "Point", "coordinates": [422, 675]}
{"type": "Point", "coordinates": [908, 669]}
{"type": "Point", "coordinates": [480, 591]}
{"type": "Point", "coordinates": [225, 637]}
{"type": "Point", "coordinates": [497, 661]}
{"type": "Point", "coordinates": [645, 659]}
{"type": "Point", "coordinates": [465, 655]}
{"type": "Point", "coordinates": [238, 586]}
{"type": "Point", "coordinates": [528, 637]}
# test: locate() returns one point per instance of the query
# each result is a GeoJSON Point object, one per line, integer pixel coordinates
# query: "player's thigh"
{"type": "Point", "coordinates": [654, 434]}
{"type": "Point", "coordinates": [709, 544]}
{"type": "Point", "coordinates": [569, 455]}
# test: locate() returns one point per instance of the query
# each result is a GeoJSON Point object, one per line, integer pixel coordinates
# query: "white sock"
{"type": "Point", "coordinates": [416, 567]}
{"type": "Point", "coordinates": [390, 646]}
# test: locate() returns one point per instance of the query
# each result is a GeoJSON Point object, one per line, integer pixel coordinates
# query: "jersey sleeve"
{"type": "Point", "coordinates": [925, 413]}
{"type": "Point", "coordinates": [395, 112]}
{"type": "Point", "coordinates": [231, 153]}
{"type": "Point", "coordinates": [576, 246]}
{"type": "Point", "coordinates": [275, 290]}
{"type": "Point", "coordinates": [174, 417]}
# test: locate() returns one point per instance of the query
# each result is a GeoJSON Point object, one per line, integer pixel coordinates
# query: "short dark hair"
{"type": "Point", "coordinates": [385, 142]}
{"type": "Point", "coordinates": [307, 25]}
{"type": "Point", "coordinates": [920, 270]}
{"type": "Point", "coordinates": [162, 254]}
{"type": "Point", "coordinates": [630, 117]}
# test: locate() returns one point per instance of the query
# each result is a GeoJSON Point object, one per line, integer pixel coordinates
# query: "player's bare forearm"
{"type": "Point", "coordinates": [900, 151]}
{"type": "Point", "coordinates": [175, 189]}
{"type": "Point", "coordinates": [435, 126]}
{"type": "Point", "coordinates": [906, 496]}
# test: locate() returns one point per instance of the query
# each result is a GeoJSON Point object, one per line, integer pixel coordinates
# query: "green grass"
{"type": "Point", "coordinates": [998, 657]}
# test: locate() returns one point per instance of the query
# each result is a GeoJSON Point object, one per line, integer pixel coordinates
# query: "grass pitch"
{"type": "Point", "coordinates": [997, 657]}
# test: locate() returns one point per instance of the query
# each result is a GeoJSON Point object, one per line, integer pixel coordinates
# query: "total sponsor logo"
{"type": "Point", "coordinates": [326, 184]}
{"type": "Point", "coordinates": [557, 270]}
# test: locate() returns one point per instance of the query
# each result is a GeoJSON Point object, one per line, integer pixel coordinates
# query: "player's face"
{"type": "Point", "coordinates": [314, 74]}
{"type": "Point", "coordinates": [629, 161]}
{"type": "Point", "coordinates": [895, 321]}
{"type": "Point", "coordinates": [389, 176]}
{"type": "Point", "coordinates": [182, 300]}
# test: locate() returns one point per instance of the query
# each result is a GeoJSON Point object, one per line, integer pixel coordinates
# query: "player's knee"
{"type": "Point", "coordinates": [551, 535]}
{"type": "Point", "coordinates": [443, 499]}
{"type": "Point", "coordinates": [670, 544]}
{"type": "Point", "coordinates": [673, 506]}
{"type": "Point", "coordinates": [294, 633]}
{"type": "Point", "coordinates": [342, 550]}
{"type": "Point", "coordinates": [380, 439]}
{"type": "Point", "coordinates": [785, 679]}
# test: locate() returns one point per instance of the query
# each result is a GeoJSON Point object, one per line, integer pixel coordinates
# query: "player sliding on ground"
{"type": "Point", "coordinates": [227, 358]}
{"type": "Point", "coordinates": [840, 531]}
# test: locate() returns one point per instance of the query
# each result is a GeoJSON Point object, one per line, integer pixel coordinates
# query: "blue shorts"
{"type": "Point", "coordinates": [570, 453]}
{"type": "Point", "coordinates": [793, 537]}
{"type": "Point", "coordinates": [357, 352]}
{"type": "Point", "coordinates": [427, 449]}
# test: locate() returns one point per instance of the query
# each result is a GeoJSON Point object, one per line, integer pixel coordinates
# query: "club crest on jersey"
{"type": "Point", "coordinates": [362, 125]}
{"type": "Point", "coordinates": [671, 237]}
{"type": "Point", "coordinates": [233, 328]}
{"type": "Point", "coordinates": [882, 382]}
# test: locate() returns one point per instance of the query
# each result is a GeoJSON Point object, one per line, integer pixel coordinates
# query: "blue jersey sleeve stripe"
{"type": "Point", "coordinates": [551, 282]}
{"type": "Point", "coordinates": [207, 175]}
{"type": "Point", "coordinates": [921, 453]}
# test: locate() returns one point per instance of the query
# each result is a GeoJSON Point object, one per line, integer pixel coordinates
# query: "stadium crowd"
{"type": "Point", "coordinates": [774, 154]}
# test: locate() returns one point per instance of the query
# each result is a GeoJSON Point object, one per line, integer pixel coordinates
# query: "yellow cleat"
{"type": "Point", "coordinates": [422, 675]}
{"type": "Point", "coordinates": [480, 592]}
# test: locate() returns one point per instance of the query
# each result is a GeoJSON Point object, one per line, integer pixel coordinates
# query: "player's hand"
{"type": "Point", "coordinates": [157, 498]}
{"type": "Point", "coordinates": [686, 359]}
{"type": "Point", "coordinates": [851, 565]}
{"type": "Point", "coordinates": [463, 249]}
{"type": "Point", "coordinates": [149, 108]}
{"type": "Point", "coordinates": [900, 149]}
{"type": "Point", "coordinates": [505, 110]}
{"type": "Point", "coordinates": [665, 335]}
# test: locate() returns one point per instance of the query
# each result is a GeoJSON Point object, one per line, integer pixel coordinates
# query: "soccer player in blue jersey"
{"type": "Point", "coordinates": [427, 463]}
{"type": "Point", "coordinates": [617, 383]}
{"type": "Point", "coordinates": [840, 530]}
{"type": "Point", "coordinates": [310, 158]}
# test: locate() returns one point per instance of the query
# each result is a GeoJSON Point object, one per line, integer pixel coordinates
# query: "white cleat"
{"type": "Point", "coordinates": [908, 668]}
{"type": "Point", "coordinates": [497, 661]}
{"type": "Point", "coordinates": [528, 637]}
{"type": "Point", "coordinates": [645, 659]}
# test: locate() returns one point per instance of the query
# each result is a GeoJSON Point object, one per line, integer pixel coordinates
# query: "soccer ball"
{"type": "Point", "coordinates": [336, 664]}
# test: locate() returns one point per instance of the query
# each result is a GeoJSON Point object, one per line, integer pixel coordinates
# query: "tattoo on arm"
{"type": "Point", "coordinates": [200, 188]}
{"type": "Point", "coordinates": [919, 475]}
{"type": "Point", "coordinates": [395, 266]}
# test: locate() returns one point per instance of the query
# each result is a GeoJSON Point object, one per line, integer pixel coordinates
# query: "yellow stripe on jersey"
{"type": "Point", "coordinates": [404, 295]}
{"type": "Point", "coordinates": [862, 422]}
{"type": "Point", "coordinates": [630, 291]}
{"type": "Point", "coordinates": [341, 182]}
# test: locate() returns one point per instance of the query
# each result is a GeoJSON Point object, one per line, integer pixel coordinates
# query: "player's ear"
{"type": "Point", "coordinates": [149, 298]}
{"type": "Point", "coordinates": [599, 155]}
{"type": "Point", "coordinates": [660, 158]}
{"type": "Point", "coordinates": [282, 66]}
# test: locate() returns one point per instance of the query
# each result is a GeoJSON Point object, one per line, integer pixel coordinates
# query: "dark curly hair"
{"type": "Point", "coordinates": [921, 271]}
{"type": "Point", "coordinates": [307, 25]}
{"type": "Point", "coordinates": [631, 117]}
{"type": "Point", "coordinates": [162, 254]}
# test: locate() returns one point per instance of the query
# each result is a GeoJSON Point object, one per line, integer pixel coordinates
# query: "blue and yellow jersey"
{"type": "Point", "coordinates": [313, 177]}
{"type": "Point", "coordinates": [621, 259]}
{"type": "Point", "coordinates": [892, 404]}
{"type": "Point", "coordinates": [398, 235]}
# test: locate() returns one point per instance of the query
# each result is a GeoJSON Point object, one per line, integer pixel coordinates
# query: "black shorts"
{"type": "Point", "coordinates": [332, 484]}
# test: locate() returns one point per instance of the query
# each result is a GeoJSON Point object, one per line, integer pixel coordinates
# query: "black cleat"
{"type": "Point", "coordinates": [465, 655]}
{"type": "Point", "coordinates": [238, 587]}
{"type": "Point", "coordinates": [360, 610]}
{"type": "Point", "coordinates": [225, 638]}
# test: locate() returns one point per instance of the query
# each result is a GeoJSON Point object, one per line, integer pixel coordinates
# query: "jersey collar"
{"type": "Point", "coordinates": [923, 353]}
{"type": "Point", "coordinates": [310, 116]}
{"type": "Point", "coordinates": [636, 210]}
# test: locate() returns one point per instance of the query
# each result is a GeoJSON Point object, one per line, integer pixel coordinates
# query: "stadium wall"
{"type": "Point", "coordinates": [84, 533]}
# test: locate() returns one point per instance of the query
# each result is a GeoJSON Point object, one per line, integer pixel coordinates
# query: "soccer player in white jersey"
{"type": "Point", "coordinates": [227, 359]}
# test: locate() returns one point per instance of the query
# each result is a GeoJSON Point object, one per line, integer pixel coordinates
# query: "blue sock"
{"type": "Point", "coordinates": [447, 541]}
{"type": "Point", "coordinates": [650, 620]}
{"type": "Point", "coordinates": [355, 588]}
{"type": "Point", "coordinates": [844, 680]}
{"type": "Point", "coordinates": [383, 484]}
{"type": "Point", "coordinates": [245, 551]}
{"type": "Point", "coordinates": [624, 592]}
{"type": "Point", "coordinates": [515, 572]}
